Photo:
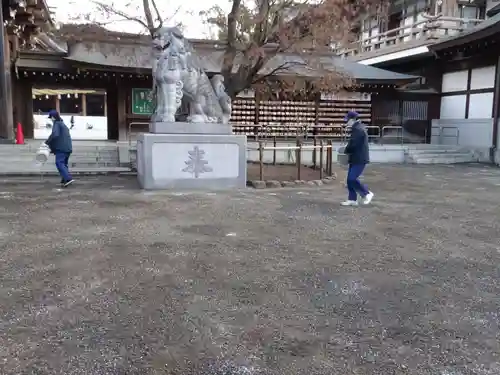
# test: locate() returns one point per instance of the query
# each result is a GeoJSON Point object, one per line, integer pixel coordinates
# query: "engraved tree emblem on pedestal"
{"type": "Point", "coordinates": [196, 164]}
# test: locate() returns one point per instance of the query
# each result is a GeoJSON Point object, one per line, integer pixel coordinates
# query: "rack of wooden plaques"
{"type": "Point", "coordinates": [332, 111]}
{"type": "Point", "coordinates": [243, 115]}
{"type": "Point", "coordinates": [286, 117]}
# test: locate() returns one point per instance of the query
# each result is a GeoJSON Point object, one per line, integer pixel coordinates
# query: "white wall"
{"type": "Point", "coordinates": [480, 104]}
{"type": "Point", "coordinates": [453, 107]}
{"type": "Point", "coordinates": [454, 81]}
{"type": "Point", "coordinates": [471, 132]}
{"type": "Point", "coordinates": [99, 129]}
{"type": "Point", "coordinates": [483, 78]}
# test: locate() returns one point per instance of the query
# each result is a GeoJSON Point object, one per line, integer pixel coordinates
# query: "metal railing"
{"type": "Point", "coordinates": [335, 132]}
{"type": "Point", "coordinates": [132, 125]}
{"type": "Point", "coordinates": [431, 27]}
{"type": "Point", "coordinates": [397, 132]}
{"type": "Point", "coordinates": [292, 132]}
{"type": "Point", "coordinates": [441, 133]}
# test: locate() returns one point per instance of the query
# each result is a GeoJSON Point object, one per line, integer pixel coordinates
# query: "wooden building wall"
{"type": "Point", "coordinates": [250, 115]}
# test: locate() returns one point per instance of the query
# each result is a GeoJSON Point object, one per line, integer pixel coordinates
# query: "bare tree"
{"type": "Point", "coordinates": [274, 44]}
{"type": "Point", "coordinates": [145, 13]}
{"type": "Point", "coordinates": [286, 36]}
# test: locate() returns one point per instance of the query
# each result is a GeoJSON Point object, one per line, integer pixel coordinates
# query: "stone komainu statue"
{"type": "Point", "coordinates": [178, 72]}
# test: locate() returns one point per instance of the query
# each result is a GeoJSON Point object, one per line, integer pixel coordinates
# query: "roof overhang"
{"type": "Point", "coordinates": [493, 11]}
{"type": "Point", "coordinates": [404, 54]}
{"type": "Point", "coordinates": [136, 59]}
{"type": "Point", "coordinates": [489, 29]}
{"type": "Point", "coordinates": [41, 60]}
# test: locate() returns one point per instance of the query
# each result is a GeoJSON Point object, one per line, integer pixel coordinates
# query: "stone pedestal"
{"type": "Point", "coordinates": [184, 156]}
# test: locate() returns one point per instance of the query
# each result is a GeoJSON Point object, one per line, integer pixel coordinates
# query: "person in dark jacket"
{"type": "Point", "coordinates": [359, 157]}
{"type": "Point", "coordinates": [61, 146]}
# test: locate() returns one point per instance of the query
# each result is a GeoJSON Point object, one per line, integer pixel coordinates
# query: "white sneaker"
{"type": "Point", "coordinates": [368, 198]}
{"type": "Point", "coordinates": [349, 203]}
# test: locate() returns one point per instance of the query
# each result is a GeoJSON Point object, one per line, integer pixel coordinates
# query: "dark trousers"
{"type": "Point", "coordinates": [353, 184]}
{"type": "Point", "coordinates": [62, 159]}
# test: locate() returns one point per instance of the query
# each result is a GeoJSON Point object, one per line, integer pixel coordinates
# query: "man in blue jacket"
{"type": "Point", "coordinates": [61, 146]}
{"type": "Point", "coordinates": [359, 157]}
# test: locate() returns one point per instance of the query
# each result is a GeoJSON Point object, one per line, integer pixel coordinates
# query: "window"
{"type": "Point", "coordinates": [471, 12]}
{"type": "Point", "coordinates": [70, 104]}
{"type": "Point", "coordinates": [409, 14]}
{"type": "Point", "coordinates": [370, 29]}
{"type": "Point", "coordinates": [95, 104]}
{"type": "Point", "coordinates": [43, 103]}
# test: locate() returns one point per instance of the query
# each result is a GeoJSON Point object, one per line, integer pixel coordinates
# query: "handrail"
{"type": "Point", "coordinates": [399, 132]}
{"type": "Point", "coordinates": [339, 132]}
{"type": "Point", "coordinates": [441, 134]}
{"type": "Point", "coordinates": [289, 148]}
{"type": "Point", "coordinates": [289, 130]}
{"type": "Point", "coordinates": [129, 133]}
{"type": "Point", "coordinates": [428, 27]}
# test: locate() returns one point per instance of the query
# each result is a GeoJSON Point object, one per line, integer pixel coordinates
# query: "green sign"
{"type": "Point", "coordinates": [142, 102]}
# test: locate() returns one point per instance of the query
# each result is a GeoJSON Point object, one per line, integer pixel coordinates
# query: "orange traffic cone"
{"type": "Point", "coordinates": [19, 134]}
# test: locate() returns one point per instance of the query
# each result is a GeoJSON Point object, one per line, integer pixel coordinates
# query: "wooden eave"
{"type": "Point", "coordinates": [399, 47]}
{"type": "Point", "coordinates": [491, 29]}
{"type": "Point", "coordinates": [36, 60]}
{"type": "Point", "coordinates": [109, 69]}
{"type": "Point", "coordinates": [34, 14]}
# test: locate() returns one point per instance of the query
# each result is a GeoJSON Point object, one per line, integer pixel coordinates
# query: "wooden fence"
{"type": "Point", "coordinates": [323, 163]}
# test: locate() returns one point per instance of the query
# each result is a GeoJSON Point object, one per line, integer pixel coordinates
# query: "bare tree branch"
{"type": "Point", "coordinates": [149, 16]}
{"type": "Point", "coordinates": [231, 48]}
{"type": "Point", "coordinates": [159, 19]}
{"type": "Point", "coordinates": [286, 66]}
{"type": "Point", "coordinates": [105, 8]}
{"type": "Point", "coordinates": [255, 31]}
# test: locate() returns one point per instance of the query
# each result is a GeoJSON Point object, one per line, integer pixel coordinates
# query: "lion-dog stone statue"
{"type": "Point", "coordinates": [178, 72]}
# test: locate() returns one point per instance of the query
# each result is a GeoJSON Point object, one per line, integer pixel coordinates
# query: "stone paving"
{"type": "Point", "coordinates": [103, 278]}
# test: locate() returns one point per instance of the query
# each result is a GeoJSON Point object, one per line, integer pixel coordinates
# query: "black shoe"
{"type": "Point", "coordinates": [67, 183]}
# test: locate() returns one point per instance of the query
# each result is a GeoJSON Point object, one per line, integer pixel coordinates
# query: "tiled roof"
{"type": "Point", "coordinates": [210, 55]}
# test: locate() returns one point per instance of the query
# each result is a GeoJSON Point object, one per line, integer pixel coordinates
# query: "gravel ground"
{"type": "Point", "coordinates": [102, 278]}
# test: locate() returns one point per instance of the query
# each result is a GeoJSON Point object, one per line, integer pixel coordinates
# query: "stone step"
{"type": "Point", "coordinates": [53, 171]}
{"type": "Point", "coordinates": [27, 150]}
{"type": "Point", "coordinates": [442, 155]}
{"type": "Point", "coordinates": [437, 151]}
{"type": "Point", "coordinates": [445, 159]}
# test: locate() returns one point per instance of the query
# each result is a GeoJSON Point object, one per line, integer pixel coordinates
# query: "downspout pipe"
{"type": "Point", "coordinates": [3, 67]}
{"type": "Point", "coordinates": [496, 112]}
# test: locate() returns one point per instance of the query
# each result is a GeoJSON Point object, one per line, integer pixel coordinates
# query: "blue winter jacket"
{"type": "Point", "coordinates": [60, 139]}
{"type": "Point", "coordinates": [357, 147]}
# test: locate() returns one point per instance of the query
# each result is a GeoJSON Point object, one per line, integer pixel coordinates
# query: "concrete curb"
{"type": "Point", "coordinates": [258, 184]}
{"type": "Point", "coordinates": [53, 174]}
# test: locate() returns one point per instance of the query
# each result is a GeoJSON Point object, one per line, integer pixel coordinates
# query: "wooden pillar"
{"type": "Point", "coordinates": [23, 105]}
{"type": "Point", "coordinates": [84, 104]}
{"type": "Point", "coordinates": [105, 104]}
{"type": "Point", "coordinates": [115, 117]}
{"type": "Point", "coordinates": [496, 113]}
{"type": "Point", "coordinates": [6, 109]}
{"type": "Point", "coordinates": [121, 107]}
{"type": "Point", "coordinates": [58, 103]}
